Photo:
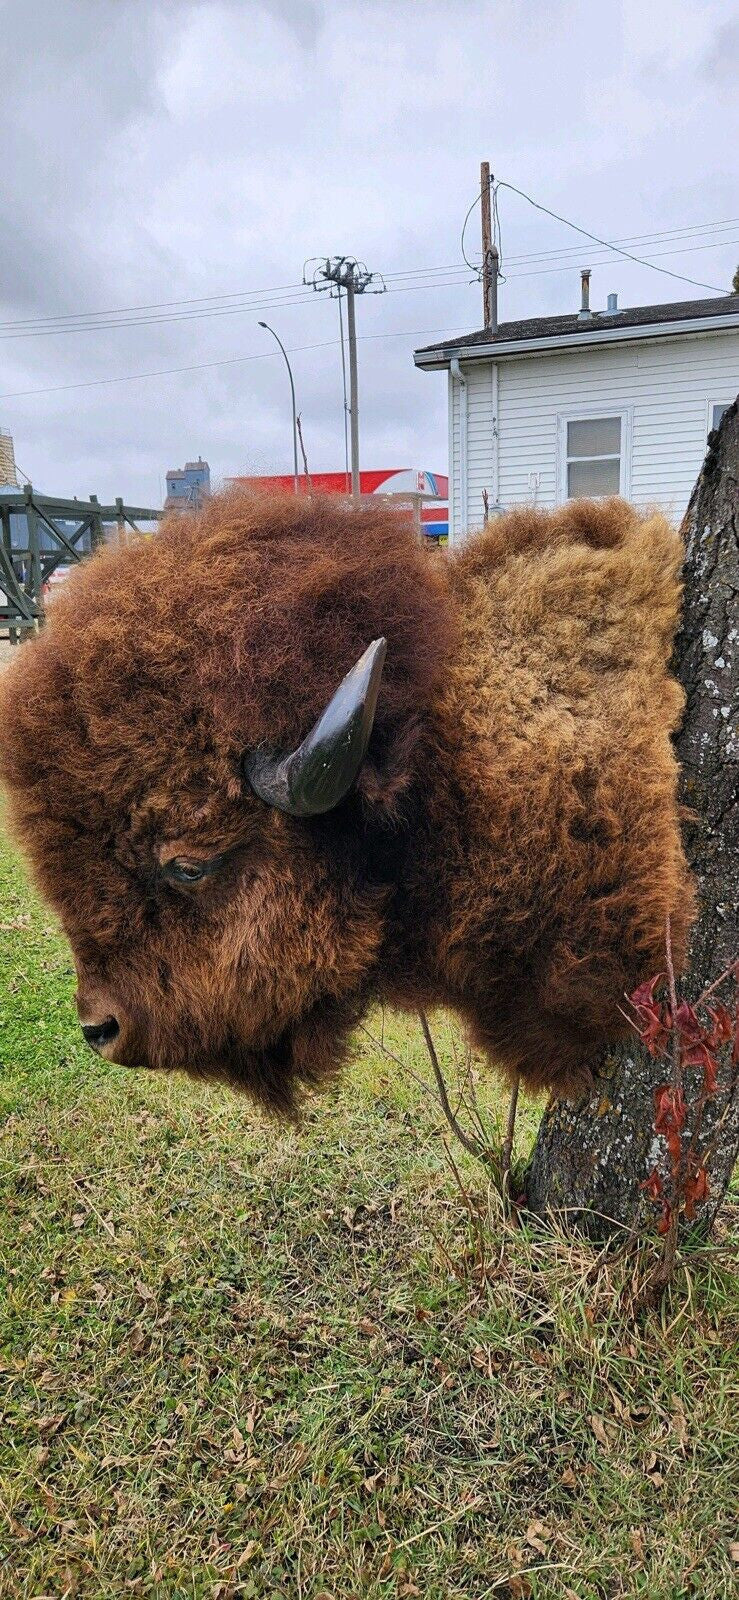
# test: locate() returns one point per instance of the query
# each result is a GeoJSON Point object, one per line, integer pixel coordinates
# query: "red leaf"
{"type": "Point", "coordinates": [696, 1190]}
{"type": "Point", "coordinates": [652, 1185]}
{"type": "Point", "coordinates": [665, 1219]}
{"type": "Point", "coordinates": [690, 1028]}
{"type": "Point", "coordinates": [655, 1029]}
{"type": "Point", "coordinates": [735, 1051]}
{"type": "Point", "coordinates": [723, 1026]}
{"type": "Point", "coordinates": [710, 1075]}
{"type": "Point", "coordinates": [644, 995]}
{"type": "Point", "coordinates": [696, 1055]}
{"type": "Point", "coordinates": [669, 1109]}
{"type": "Point", "coordinates": [652, 1021]}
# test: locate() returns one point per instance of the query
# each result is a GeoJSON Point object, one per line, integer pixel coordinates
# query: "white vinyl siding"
{"type": "Point", "coordinates": [479, 404]}
{"type": "Point", "coordinates": [663, 387]}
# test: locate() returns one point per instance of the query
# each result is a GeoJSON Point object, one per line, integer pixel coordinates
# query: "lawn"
{"type": "Point", "coordinates": [238, 1360]}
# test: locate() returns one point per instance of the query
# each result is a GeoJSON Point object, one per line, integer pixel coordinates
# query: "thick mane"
{"type": "Point", "coordinates": [227, 629]}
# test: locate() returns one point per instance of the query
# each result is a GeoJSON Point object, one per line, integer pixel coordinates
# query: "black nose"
{"type": "Point", "coordinates": [98, 1034]}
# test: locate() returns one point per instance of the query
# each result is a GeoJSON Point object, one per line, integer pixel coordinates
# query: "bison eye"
{"type": "Point", "coordinates": [179, 871]}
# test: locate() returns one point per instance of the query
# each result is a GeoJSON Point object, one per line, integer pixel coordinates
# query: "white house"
{"type": "Point", "coordinates": [598, 402]}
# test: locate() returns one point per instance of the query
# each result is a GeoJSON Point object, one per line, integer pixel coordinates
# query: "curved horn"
{"type": "Point", "coordinates": [316, 776]}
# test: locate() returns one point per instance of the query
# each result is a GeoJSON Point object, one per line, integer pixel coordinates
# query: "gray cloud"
{"type": "Point", "coordinates": [158, 150]}
{"type": "Point", "coordinates": [721, 61]}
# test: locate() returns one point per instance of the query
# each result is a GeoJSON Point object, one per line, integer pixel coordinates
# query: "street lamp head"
{"type": "Point", "coordinates": [261, 324]}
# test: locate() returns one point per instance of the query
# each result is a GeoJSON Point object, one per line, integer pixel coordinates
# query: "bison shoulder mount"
{"type": "Point", "coordinates": [279, 762]}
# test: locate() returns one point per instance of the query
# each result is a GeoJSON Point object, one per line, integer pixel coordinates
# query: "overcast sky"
{"type": "Point", "coordinates": [160, 150]}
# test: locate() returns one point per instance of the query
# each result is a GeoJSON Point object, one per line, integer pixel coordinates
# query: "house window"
{"type": "Point", "coordinates": [715, 413]}
{"type": "Point", "coordinates": [593, 447]}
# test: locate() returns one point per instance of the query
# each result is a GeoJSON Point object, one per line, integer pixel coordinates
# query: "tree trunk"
{"type": "Point", "coordinates": [592, 1155]}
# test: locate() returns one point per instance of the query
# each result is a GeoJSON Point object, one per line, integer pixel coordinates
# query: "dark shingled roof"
{"type": "Point", "coordinates": [559, 327]}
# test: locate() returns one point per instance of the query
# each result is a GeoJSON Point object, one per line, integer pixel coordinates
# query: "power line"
{"type": "Point", "coordinates": [229, 361]}
{"type": "Point", "coordinates": [595, 238]}
{"type": "Point", "coordinates": [155, 305]}
{"type": "Point", "coordinates": [475, 202]}
{"type": "Point", "coordinates": [694, 230]}
{"type": "Point", "coordinates": [85, 322]}
{"type": "Point", "coordinates": [436, 277]}
{"type": "Point", "coordinates": [150, 322]}
{"type": "Point", "coordinates": [539, 272]}
{"type": "Point", "coordinates": [242, 295]}
{"type": "Point", "coordinates": [542, 272]}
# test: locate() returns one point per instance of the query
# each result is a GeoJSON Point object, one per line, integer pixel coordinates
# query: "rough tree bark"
{"type": "Point", "coordinates": [591, 1155]}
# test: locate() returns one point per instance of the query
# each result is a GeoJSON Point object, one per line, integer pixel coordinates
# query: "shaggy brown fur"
{"type": "Point", "coordinates": [511, 848]}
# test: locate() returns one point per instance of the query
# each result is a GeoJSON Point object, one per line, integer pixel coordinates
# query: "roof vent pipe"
{"type": "Point", "coordinates": [613, 302]}
{"type": "Point", "coordinates": [585, 311]}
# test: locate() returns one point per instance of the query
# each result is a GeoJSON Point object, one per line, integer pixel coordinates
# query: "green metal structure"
{"type": "Point", "coordinates": [38, 534]}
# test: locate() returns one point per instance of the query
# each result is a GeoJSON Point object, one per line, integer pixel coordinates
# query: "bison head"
{"type": "Point", "coordinates": [210, 772]}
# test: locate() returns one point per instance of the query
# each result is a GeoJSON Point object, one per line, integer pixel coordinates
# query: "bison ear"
{"type": "Point", "coordinates": [316, 776]}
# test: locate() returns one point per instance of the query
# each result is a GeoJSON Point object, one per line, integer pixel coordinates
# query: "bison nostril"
{"type": "Point", "coordinates": [99, 1034]}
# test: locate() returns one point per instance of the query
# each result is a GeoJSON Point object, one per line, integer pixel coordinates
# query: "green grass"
{"type": "Point", "coordinates": [239, 1360]}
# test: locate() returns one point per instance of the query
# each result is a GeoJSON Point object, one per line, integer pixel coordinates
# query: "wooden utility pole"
{"type": "Point", "coordinates": [490, 258]}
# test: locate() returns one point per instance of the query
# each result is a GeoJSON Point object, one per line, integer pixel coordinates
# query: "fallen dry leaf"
{"type": "Point", "coordinates": [247, 1554]}
{"type": "Point", "coordinates": [50, 1425]}
{"type": "Point", "coordinates": [537, 1536]}
{"type": "Point", "coordinates": [599, 1429]}
{"type": "Point", "coordinates": [652, 1470]}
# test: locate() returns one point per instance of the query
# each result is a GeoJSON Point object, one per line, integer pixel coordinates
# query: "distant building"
{"type": "Point", "coordinates": [8, 473]}
{"type": "Point", "coordinates": [424, 493]}
{"type": "Point", "coordinates": [188, 486]}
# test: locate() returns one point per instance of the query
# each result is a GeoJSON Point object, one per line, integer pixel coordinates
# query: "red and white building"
{"type": "Point", "coordinates": [425, 493]}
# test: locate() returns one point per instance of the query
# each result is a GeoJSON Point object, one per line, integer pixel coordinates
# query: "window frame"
{"type": "Point", "coordinates": [594, 413]}
{"type": "Point", "coordinates": [709, 411]}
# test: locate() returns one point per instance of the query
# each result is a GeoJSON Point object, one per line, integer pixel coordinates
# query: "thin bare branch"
{"type": "Point", "coordinates": [674, 1030]}
{"type": "Point", "coordinates": [507, 1152]}
{"type": "Point", "coordinates": [664, 1275]}
{"type": "Point", "coordinates": [472, 1146]}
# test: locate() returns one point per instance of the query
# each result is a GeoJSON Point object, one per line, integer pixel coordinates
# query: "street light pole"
{"type": "Point", "coordinates": [292, 395]}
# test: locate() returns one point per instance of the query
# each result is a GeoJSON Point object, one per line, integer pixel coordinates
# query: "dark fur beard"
{"type": "Point", "coordinates": [299, 1061]}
